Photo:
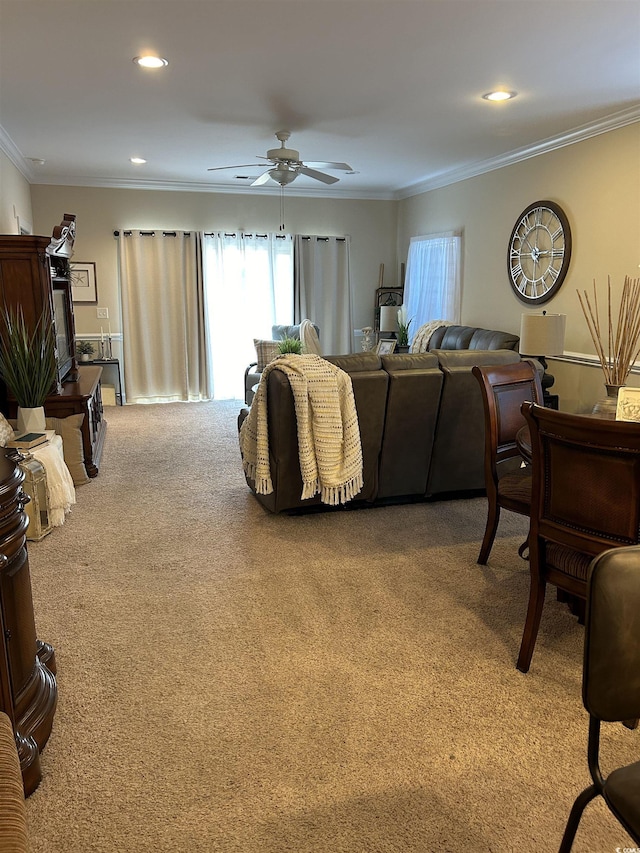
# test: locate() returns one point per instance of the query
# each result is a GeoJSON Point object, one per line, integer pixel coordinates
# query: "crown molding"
{"type": "Point", "coordinates": [471, 170]}
{"type": "Point", "coordinates": [578, 134]}
{"type": "Point", "coordinates": [205, 187]}
{"type": "Point", "coordinates": [8, 147]}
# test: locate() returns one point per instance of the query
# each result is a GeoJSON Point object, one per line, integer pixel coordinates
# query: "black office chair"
{"type": "Point", "coordinates": [611, 681]}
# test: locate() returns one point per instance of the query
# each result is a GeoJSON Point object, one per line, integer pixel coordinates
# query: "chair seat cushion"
{"type": "Point", "coordinates": [622, 793]}
{"type": "Point", "coordinates": [573, 563]}
{"type": "Point", "coordinates": [515, 488]}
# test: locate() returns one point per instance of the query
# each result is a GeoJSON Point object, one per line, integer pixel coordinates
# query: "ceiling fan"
{"type": "Point", "coordinates": [286, 165]}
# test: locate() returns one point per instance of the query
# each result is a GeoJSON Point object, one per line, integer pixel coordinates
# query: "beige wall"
{"type": "Point", "coordinates": [370, 224]}
{"type": "Point", "coordinates": [597, 183]}
{"type": "Point", "coordinates": [15, 198]}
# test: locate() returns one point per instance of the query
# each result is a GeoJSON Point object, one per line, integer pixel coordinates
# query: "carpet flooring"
{"type": "Point", "coordinates": [236, 682]}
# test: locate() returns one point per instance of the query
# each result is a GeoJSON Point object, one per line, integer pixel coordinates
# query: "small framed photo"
{"type": "Point", "coordinates": [628, 405]}
{"type": "Point", "coordinates": [83, 283]}
{"type": "Point", "coordinates": [386, 346]}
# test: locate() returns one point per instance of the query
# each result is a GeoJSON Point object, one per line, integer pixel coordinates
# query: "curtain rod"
{"type": "Point", "coordinates": [227, 234]}
{"type": "Point", "coordinates": [244, 234]}
{"type": "Point", "coordinates": [323, 239]}
{"type": "Point", "coordinates": [152, 233]}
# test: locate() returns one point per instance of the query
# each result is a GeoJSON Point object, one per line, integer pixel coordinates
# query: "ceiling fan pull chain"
{"type": "Point", "coordinates": [281, 208]}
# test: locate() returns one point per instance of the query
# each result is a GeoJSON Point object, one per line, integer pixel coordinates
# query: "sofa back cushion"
{"type": "Point", "coordinates": [413, 400]}
{"type": "Point", "coordinates": [472, 338]}
{"type": "Point", "coordinates": [359, 362]}
{"type": "Point", "coordinates": [458, 450]}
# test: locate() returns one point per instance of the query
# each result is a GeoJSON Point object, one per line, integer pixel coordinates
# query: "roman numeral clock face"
{"type": "Point", "coordinates": [539, 252]}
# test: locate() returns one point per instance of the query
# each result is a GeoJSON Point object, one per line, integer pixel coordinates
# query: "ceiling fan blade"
{"type": "Point", "coordinates": [326, 164]}
{"type": "Point", "coordinates": [241, 166]}
{"type": "Point", "coordinates": [264, 177]}
{"type": "Point", "coordinates": [318, 176]}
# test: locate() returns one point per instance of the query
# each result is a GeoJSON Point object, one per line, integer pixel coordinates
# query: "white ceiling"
{"type": "Point", "coordinates": [392, 87]}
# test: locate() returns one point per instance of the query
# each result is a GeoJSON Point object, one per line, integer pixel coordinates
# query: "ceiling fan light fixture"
{"type": "Point", "coordinates": [499, 95]}
{"type": "Point", "coordinates": [150, 61]}
{"type": "Point", "coordinates": [282, 175]}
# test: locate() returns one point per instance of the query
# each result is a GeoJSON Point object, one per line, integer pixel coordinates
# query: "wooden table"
{"type": "Point", "coordinates": [523, 436]}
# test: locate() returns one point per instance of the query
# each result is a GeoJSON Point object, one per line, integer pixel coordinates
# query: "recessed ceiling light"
{"type": "Point", "coordinates": [137, 160]}
{"type": "Point", "coordinates": [37, 161]}
{"type": "Point", "coordinates": [499, 96]}
{"type": "Point", "coordinates": [150, 61]}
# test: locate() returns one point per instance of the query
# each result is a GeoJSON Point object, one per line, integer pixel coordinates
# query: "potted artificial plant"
{"type": "Point", "coordinates": [85, 349]}
{"type": "Point", "coordinates": [403, 330]}
{"type": "Point", "coordinates": [27, 365]}
{"type": "Point", "coordinates": [290, 345]}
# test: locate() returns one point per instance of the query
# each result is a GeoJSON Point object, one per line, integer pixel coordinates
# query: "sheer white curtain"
{"type": "Point", "coordinates": [163, 316]}
{"type": "Point", "coordinates": [432, 281]}
{"type": "Point", "coordinates": [248, 288]}
{"type": "Point", "coordinates": [323, 289]}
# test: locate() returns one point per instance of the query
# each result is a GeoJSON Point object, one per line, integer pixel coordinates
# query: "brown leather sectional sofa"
{"type": "Point", "coordinates": [421, 421]}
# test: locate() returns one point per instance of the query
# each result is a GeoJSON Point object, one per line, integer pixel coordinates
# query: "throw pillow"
{"type": "Point", "coordinates": [70, 431]}
{"type": "Point", "coordinates": [266, 351]}
{"type": "Point", "coordinates": [6, 431]}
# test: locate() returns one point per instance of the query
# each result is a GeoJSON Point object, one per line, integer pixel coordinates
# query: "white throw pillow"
{"type": "Point", "coordinates": [6, 431]}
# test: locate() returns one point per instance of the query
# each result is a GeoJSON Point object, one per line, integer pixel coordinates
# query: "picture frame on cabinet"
{"type": "Point", "coordinates": [84, 287]}
{"type": "Point", "coordinates": [628, 408]}
{"type": "Point", "coordinates": [386, 346]}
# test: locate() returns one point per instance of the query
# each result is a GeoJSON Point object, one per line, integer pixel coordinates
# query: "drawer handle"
{"type": "Point", "coordinates": [23, 499]}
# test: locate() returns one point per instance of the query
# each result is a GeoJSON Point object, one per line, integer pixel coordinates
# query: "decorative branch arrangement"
{"type": "Point", "coordinates": [623, 337]}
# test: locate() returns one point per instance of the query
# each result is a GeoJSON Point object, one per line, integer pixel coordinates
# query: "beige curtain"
{"type": "Point", "coordinates": [322, 289]}
{"type": "Point", "coordinates": [163, 317]}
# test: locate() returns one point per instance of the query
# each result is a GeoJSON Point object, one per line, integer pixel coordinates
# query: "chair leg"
{"type": "Point", "coordinates": [532, 623]}
{"type": "Point", "coordinates": [493, 517]}
{"type": "Point", "coordinates": [582, 800]}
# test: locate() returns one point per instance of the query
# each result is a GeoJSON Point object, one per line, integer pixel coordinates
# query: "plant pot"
{"type": "Point", "coordinates": [31, 420]}
{"type": "Point", "coordinates": [85, 357]}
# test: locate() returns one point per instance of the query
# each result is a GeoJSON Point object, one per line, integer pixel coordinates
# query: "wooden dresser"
{"type": "Point", "coordinates": [28, 690]}
{"type": "Point", "coordinates": [27, 281]}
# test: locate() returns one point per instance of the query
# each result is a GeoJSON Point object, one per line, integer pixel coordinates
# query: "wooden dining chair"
{"type": "Point", "coordinates": [610, 683]}
{"type": "Point", "coordinates": [585, 499]}
{"type": "Point", "coordinates": [505, 387]}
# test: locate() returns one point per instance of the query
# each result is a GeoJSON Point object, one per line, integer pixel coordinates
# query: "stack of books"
{"type": "Point", "coordinates": [28, 440]}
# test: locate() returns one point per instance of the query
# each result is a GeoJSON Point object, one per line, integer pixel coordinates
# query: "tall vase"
{"type": "Point", "coordinates": [31, 420]}
{"type": "Point", "coordinates": [606, 408]}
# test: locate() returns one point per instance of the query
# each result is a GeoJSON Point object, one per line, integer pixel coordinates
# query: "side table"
{"type": "Point", "coordinates": [115, 362]}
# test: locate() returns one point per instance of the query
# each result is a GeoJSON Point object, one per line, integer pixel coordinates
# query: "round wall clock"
{"type": "Point", "coordinates": [539, 252]}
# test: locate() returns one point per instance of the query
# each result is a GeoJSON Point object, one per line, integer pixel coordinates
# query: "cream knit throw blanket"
{"type": "Point", "coordinates": [328, 432]}
{"type": "Point", "coordinates": [421, 341]}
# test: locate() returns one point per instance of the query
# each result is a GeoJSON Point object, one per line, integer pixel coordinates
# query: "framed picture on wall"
{"type": "Point", "coordinates": [83, 283]}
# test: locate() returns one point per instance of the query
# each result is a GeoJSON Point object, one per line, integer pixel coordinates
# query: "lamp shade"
{"type": "Point", "coordinates": [389, 318]}
{"type": "Point", "coordinates": [542, 334]}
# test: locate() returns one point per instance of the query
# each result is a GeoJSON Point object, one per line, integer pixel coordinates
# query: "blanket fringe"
{"type": "Point", "coordinates": [263, 485]}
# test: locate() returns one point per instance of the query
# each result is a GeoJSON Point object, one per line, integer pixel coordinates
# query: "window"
{"type": "Point", "coordinates": [248, 286]}
{"type": "Point", "coordinates": [432, 281]}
